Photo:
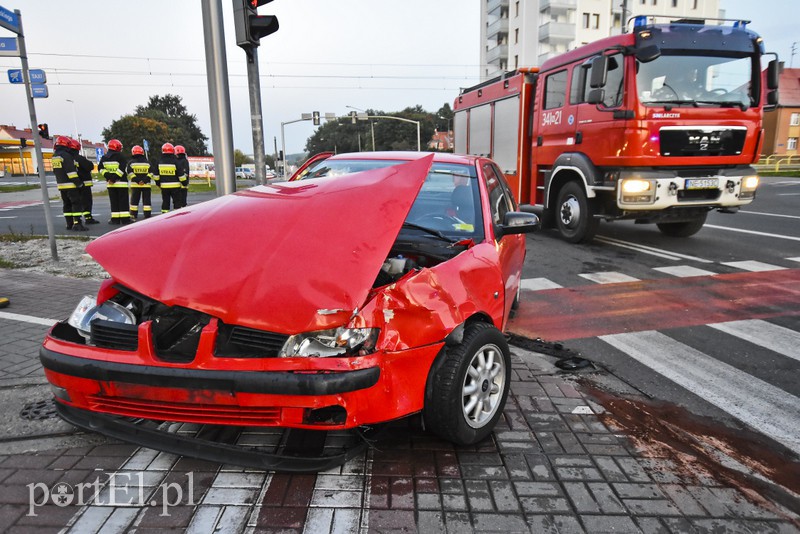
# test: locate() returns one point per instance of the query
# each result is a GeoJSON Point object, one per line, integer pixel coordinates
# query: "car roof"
{"type": "Point", "coordinates": [438, 157]}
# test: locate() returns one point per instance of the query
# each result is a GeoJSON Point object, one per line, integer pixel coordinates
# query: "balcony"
{"type": "Point", "coordinates": [492, 5]}
{"type": "Point", "coordinates": [495, 54]}
{"type": "Point", "coordinates": [557, 32]}
{"type": "Point", "coordinates": [500, 26]}
{"type": "Point", "coordinates": [557, 6]}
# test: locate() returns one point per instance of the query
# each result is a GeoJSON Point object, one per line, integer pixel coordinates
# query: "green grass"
{"type": "Point", "coordinates": [16, 188]}
{"type": "Point", "coordinates": [4, 264]}
{"type": "Point", "coordinates": [13, 237]}
{"type": "Point", "coordinates": [788, 174]}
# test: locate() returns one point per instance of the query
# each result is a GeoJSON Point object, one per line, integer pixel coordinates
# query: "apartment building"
{"type": "Point", "coordinates": [519, 33]}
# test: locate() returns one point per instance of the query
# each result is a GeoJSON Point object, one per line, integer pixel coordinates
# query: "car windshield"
{"type": "Point", "coordinates": [449, 201]}
{"type": "Point", "coordinates": [698, 80]}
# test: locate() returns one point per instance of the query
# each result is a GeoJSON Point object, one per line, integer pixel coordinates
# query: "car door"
{"type": "Point", "coordinates": [510, 249]}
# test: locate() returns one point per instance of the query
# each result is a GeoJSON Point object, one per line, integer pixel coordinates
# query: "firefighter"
{"type": "Point", "coordinates": [84, 168]}
{"type": "Point", "coordinates": [169, 178]}
{"type": "Point", "coordinates": [69, 183]}
{"type": "Point", "coordinates": [140, 173]}
{"type": "Point", "coordinates": [180, 153]}
{"type": "Point", "coordinates": [112, 167]}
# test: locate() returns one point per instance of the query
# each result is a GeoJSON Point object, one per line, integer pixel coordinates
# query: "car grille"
{"type": "Point", "coordinates": [682, 142]}
{"type": "Point", "coordinates": [113, 335]}
{"type": "Point", "coordinates": [241, 342]}
{"type": "Point", "coordinates": [188, 413]}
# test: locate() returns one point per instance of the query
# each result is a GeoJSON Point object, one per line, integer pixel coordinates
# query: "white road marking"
{"type": "Point", "coordinates": [794, 259]}
{"type": "Point", "coordinates": [610, 277]}
{"type": "Point", "coordinates": [653, 251]}
{"type": "Point", "coordinates": [770, 214]}
{"type": "Point", "coordinates": [27, 319]}
{"type": "Point", "coordinates": [683, 271]}
{"type": "Point", "coordinates": [770, 336]}
{"type": "Point", "coordinates": [788, 194]}
{"type": "Point", "coordinates": [538, 284]}
{"type": "Point", "coordinates": [753, 266]}
{"type": "Point", "coordinates": [753, 232]}
{"type": "Point", "coordinates": [766, 408]}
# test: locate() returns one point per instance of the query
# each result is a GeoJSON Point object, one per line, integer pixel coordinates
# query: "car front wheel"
{"type": "Point", "coordinates": [574, 218]}
{"type": "Point", "coordinates": [469, 387]}
{"type": "Point", "coordinates": [682, 229]}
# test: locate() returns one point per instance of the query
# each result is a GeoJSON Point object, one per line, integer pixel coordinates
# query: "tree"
{"type": "Point", "coordinates": [342, 135]}
{"type": "Point", "coordinates": [240, 158]}
{"type": "Point", "coordinates": [178, 127]}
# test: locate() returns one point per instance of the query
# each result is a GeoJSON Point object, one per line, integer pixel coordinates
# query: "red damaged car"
{"type": "Point", "coordinates": [370, 287]}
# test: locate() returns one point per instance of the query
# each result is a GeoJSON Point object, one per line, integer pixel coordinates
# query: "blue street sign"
{"type": "Point", "coordinates": [37, 76]}
{"type": "Point", "coordinates": [146, 146]}
{"type": "Point", "coordinates": [15, 75]}
{"type": "Point", "coordinates": [99, 153]}
{"type": "Point", "coordinates": [9, 20]}
{"type": "Point", "coordinates": [8, 47]}
{"type": "Point", "coordinates": [39, 91]}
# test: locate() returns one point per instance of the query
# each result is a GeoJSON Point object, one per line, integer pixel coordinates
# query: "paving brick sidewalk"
{"type": "Point", "coordinates": [558, 462]}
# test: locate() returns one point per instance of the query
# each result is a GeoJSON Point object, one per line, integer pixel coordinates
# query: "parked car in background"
{"type": "Point", "coordinates": [374, 286]}
{"type": "Point", "coordinates": [244, 173]}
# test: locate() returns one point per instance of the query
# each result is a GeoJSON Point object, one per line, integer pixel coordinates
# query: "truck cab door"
{"type": "Point", "coordinates": [600, 127]}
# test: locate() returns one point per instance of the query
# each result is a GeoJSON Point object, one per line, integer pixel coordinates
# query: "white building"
{"type": "Point", "coordinates": [524, 33]}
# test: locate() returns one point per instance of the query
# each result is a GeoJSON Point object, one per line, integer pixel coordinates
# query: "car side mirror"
{"type": "Point", "coordinates": [599, 74]}
{"type": "Point", "coordinates": [596, 96]}
{"type": "Point", "coordinates": [518, 222]}
{"type": "Point", "coordinates": [648, 53]}
{"type": "Point", "coordinates": [773, 74]}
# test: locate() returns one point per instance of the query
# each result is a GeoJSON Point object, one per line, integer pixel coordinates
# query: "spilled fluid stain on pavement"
{"type": "Point", "coordinates": [764, 471]}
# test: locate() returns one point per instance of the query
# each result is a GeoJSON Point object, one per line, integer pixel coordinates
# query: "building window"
{"type": "Point", "coordinates": [795, 119]}
{"type": "Point", "coordinates": [655, 2]}
{"type": "Point", "coordinates": [586, 20]}
{"type": "Point", "coordinates": [791, 144]}
{"type": "Point", "coordinates": [516, 36]}
{"type": "Point", "coordinates": [516, 62]}
{"type": "Point", "coordinates": [674, 3]}
{"type": "Point", "coordinates": [595, 21]}
{"type": "Point", "coordinates": [555, 89]}
{"type": "Point", "coordinates": [694, 6]}
{"type": "Point", "coordinates": [516, 9]}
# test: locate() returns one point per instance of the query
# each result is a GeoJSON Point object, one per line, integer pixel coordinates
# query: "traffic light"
{"type": "Point", "coordinates": [315, 118]}
{"type": "Point", "coordinates": [23, 142]}
{"type": "Point", "coordinates": [44, 131]}
{"type": "Point", "coordinates": [250, 26]}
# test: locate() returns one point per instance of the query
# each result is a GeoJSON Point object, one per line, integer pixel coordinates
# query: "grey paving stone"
{"type": "Point", "coordinates": [597, 524]}
{"type": "Point", "coordinates": [544, 505]}
{"type": "Point", "coordinates": [683, 500]}
{"type": "Point", "coordinates": [457, 523]}
{"type": "Point", "coordinates": [430, 522]}
{"type": "Point", "coordinates": [517, 467]}
{"type": "Point", "coordinates": [505, 500]}
{"type": "Point", "coordinates": [554, 524]}
{"type": "Point", "coordinates": [499, 523]}
{"type": "Point", "coordinates": [611, 471]}
{"type": "Point", "coordinates": [655, 507]}
{"type": "Point", "coordinates": [606, 498]}
{"type": "Point", "coordinates": [632, 469]}
{"type": "Point", "coordinates": [491, 472]}
{"type": "Point", "coordinates": [537, 489]}
{"type": "Point", "coordinates": [428, 501]}
{"type": "Point", "coordinates": [454, 502]}
{"type": "Point", "coordinates": [652, 525]}
{"type": "Point", "coordinates": [581, 499]}
{"type": "Point", "coordinates": [540, 467]}
{"type": "Point", "coordinates": [578, 473]}
{"type": "Point", "coordinates": [638, 491]}
{"type": "Point", "coordinates": [479, 496]}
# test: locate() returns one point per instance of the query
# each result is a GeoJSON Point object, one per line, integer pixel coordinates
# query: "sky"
{"type": "Point", "coordinates": [110, 56]}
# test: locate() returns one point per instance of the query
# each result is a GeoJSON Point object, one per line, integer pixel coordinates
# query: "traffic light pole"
{"type": "Point", "coordinates": [256, 119]}
{"type": "Point", "coordinates": [219, 97]}
{"type": "Point", "coordinates": [37, 142]}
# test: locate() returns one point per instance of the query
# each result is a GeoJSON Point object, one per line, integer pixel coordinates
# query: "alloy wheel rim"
{"type": "Point", "coordinates": [570, 212]}
{"type": "Point", "coordinates": [484, 384]}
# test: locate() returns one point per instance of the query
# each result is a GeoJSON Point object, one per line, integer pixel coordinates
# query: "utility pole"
{"type": "Point", "coordinates": [794, 51]}
{"type": "Point", "coordinates": [256, 119]}
{"type": "Point", "coordinates": [219, 97]}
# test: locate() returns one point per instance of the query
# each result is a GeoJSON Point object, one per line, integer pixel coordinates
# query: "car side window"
{"type": "Point", "coordinates": [510, 200]}
{"type": "Point", "coordinates": [555, 90]}
{"type": "Point", "coordinates": [498, 203]}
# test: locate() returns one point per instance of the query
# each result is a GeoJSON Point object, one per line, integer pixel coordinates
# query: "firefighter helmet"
{"type": "Point", "coordinates": [179, 149]}
{"type": "Point", "coordinates": [114, 144]}
{"type": "Point", "coordinates": [63, 140]}
{"type": "Point", "coordinates": [167, 148]}
{"type": "Point", "coordinates": [137, 150]}
{"type": "Point", "coordinates": [74, 144]}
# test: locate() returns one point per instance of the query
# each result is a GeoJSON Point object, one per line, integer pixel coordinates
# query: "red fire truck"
{"type": "Point", "coordinates": [660, 125]}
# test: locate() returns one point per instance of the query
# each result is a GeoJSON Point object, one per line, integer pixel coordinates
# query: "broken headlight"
{"type": "Point", "coordinates": [331, 343]}
{"type": "Point", "coordinates": [87, 310]}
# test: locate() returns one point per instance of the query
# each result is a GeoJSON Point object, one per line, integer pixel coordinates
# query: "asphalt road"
{"type": "Point", "coordinates": [711, 322]}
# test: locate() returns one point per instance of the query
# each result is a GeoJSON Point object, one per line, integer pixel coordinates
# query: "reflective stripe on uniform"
{"type": "Point", "coordinates": [170, 185]}
{"type": "Point", "coordinates": [67, 186]}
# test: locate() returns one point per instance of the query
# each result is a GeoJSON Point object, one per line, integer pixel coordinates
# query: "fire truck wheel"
{"type": "Point", "coordinates": [467, 389]}
{"type": "Point", "coordinates": [574, 218]}
{"type": "Point", "coordinates": [682, 229]}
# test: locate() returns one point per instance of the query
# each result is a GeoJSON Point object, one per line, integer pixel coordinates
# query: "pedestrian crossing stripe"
{"type": "Point", "coordinates": [764, 407]}
{"type": "Point", "coordinates": [770, 336]}
{"type": "Point", "coordinates": [610, 277]}
{"type": "Point", "coordinates": [753, 266]}
{"type": "Point", "coordinates": [683, 271]}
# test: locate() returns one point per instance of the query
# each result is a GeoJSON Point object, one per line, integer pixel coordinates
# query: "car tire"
{"type": "Point", "coordinates": [682, 229]}
{"type": "Point", "coordinates": [468, 386]}
{"type": "Point", "coordinates": [574, 215]}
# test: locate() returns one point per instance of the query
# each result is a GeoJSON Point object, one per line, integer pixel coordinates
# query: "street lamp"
{"type": "Point", "coordinates": [303, 117]}
{"type": "Point", "coordinates": [365, 117]}
{"type": "Point", "coordinates": [75, 121]}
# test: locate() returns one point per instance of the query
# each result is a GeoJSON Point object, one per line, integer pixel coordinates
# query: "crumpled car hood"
{"type": "Point", "coordinates": [289, 257]}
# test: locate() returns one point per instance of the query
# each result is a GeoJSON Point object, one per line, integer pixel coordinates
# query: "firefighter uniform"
{"type": "Point", "coordinates": [68, 183]}
{"type": "Point", "coordinates": [169, 178]}
{"type": "Point", "coordinates": [180, 153]}
{"type": "Point", "coordinates": [85, 168]}
{"type": "Point", "coordinates": [112, 170]}
{"type": "Point", "coordinates": [140, 173]}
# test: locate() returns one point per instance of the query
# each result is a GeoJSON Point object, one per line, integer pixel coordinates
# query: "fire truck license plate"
{"type": "Point", "coordinates": [702, 183]}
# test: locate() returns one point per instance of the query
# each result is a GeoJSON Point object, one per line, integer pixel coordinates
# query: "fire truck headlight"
{"type": "Point", "coordinates": [749, 186]}
{"type": "Point", "coordinates": [635, 186]}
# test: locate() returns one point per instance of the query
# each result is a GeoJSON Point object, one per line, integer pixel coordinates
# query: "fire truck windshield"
{"type": "Point", "coordinates": [695, 80]}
